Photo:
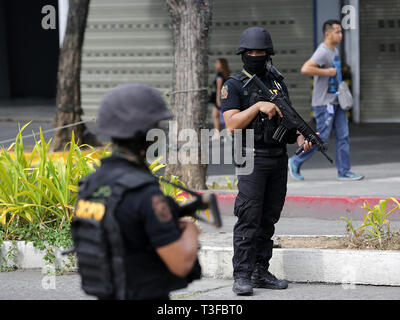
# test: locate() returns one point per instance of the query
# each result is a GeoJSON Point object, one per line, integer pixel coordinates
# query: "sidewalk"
{"type": "Point", "coordinates": [313, 206]}
{"type": "Point", "coordinates": [32, 285]}
{"type": "Point", "coordinates": [25, 110]}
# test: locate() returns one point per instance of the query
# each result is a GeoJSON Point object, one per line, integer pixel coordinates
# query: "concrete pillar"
{"type": "Point", "coordinates": [352, 54]}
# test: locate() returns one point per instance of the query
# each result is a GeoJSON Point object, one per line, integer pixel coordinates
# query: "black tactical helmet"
{"type": "Point", "coordinates": [255, 38]}
{"type": "Point", "coordinates": [129, 109]}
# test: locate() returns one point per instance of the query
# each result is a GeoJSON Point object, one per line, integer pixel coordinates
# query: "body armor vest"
{"type": "Point", "coordinates": [264, 128]}
{"type": "Point", "coordinates": [106, 270]}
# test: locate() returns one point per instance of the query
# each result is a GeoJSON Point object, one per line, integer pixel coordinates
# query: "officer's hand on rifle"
{"type": "Point", "coordinates": [269, 108]}
{"type": "Point", "coordinates": [307, 144]}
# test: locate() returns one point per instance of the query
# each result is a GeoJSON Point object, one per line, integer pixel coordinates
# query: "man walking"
{"type": "Point", "coordinates": [327, 111]}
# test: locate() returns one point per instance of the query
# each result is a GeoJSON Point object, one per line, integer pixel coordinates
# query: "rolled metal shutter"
{"type": "Point", "coordinates": [380, 61]}
{"type": "Point", "coordinates": [131, 40]}
{"type": "Point", "coordinates": [125, 41]}
{"type": "Point", "coordinates": [290, 23]}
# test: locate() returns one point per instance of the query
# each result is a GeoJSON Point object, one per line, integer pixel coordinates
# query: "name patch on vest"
{"type": "Point", "coordinates": [90, 210]}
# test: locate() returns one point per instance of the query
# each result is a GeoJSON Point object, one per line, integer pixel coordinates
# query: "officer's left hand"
{"type": "Point", "coordinates": [307, 144]}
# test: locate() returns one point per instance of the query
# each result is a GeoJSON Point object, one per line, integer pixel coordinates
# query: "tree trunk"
{"type": "Point", "coordinates": [190, 23]}
{"type": "Point", "coordinates": [68, 98]}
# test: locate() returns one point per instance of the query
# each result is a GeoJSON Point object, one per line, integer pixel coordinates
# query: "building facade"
{"type": "Point", "coordinates": [131, 40]}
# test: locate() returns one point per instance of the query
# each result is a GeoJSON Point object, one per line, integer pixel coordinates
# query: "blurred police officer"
{"type": "Point", "coordinates": [262, 193]}
{"type": "Point", "coordinates": [151, 252]}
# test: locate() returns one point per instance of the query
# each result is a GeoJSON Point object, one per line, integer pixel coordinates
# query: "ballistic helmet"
{"type": "Point", "coordinates": [129, 109]}
{"type": "Point", "coordinates": [255, 38]}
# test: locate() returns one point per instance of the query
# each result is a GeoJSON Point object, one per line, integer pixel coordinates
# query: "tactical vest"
{"type": "Point", "coordinates": [106, 270]}
{"type": "Point", "coordinates": [264, 128]}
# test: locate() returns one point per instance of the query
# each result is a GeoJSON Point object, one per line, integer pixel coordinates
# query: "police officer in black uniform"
{"type": "Point", "coordinates": [262, 193]}
{"type": "Point", "coordinates": [145, 251]}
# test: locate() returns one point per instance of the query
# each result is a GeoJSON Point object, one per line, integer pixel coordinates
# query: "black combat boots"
{"type": "Point", "coordinates": [242, 287]}
{"type": "Point", "coordinates": [262, 278]}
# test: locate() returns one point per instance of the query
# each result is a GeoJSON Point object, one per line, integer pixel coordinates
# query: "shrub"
{"type": "Point", "coordinates": [43, 192]}
{"type": "Point", "coordinates": [375, 230]}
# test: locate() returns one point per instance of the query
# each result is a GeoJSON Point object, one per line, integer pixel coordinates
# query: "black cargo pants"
{"type": "Point", "coordinates": [258, 207]}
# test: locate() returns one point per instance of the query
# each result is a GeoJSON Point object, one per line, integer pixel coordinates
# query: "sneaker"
{"type": "Point", "coordinates": [294, 171]}
{"type": "Point", "coordinates": [242, 287]}
{"type": "Point", "coordinates": [350, 176]}
{"type": "Point", "coordinates": [262, 278]}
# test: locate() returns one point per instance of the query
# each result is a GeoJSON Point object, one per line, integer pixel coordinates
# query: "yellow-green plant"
{"type": "Point", "coordinates": [374, 220]}
{"type": "Point", "coordinates": [377, 217]}
{"type": "Point", "coordinates": [230, 185]}
{"type": "Point", "coordinates": [43, 192]}
{"type": "Point", "coordinates": [167, 188]}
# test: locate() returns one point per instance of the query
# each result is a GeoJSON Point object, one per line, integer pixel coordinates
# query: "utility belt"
{"type": "Point", "coordinates": [270, 152]}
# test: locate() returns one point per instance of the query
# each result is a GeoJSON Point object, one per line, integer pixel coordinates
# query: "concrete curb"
{"type": "Point", "coordinates": [322, 207]}
{"type": "Point", "coordinates": [348, 267]}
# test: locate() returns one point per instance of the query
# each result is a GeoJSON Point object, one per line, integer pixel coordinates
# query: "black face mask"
{"type": "Point", "coordinates": [254, 65]}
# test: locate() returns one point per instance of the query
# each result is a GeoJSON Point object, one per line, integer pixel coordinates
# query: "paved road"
{"type": "Point", "coordinates": [33, 285]}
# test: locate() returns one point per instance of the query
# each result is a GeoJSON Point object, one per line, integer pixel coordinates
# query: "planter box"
{"type": "Point", "coordinates": [29, 257]}
{"type": "Point", "coordinates": [372, 267]}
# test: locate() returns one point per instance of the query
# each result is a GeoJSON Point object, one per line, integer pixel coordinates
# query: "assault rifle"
{"type": "Point", "coordinates": [206, 201]}
{"type": "Point", "coordinates": [291, 119]}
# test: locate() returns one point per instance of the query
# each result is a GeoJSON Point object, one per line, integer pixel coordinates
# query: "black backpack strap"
{"type": "Point", "coordinates": [116, 243]}
{"type": "Point", "coordinates": [86, 187]}
{"type": "Point", "coordinates": [137, 178]}
{"type": "Point", "coordinates": [240, 76]}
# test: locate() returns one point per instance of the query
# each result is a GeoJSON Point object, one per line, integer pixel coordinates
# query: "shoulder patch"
{"type": "Point", "coordinates": [161, 208]}
{"type": "Point", "coordinates": [224, 92]}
